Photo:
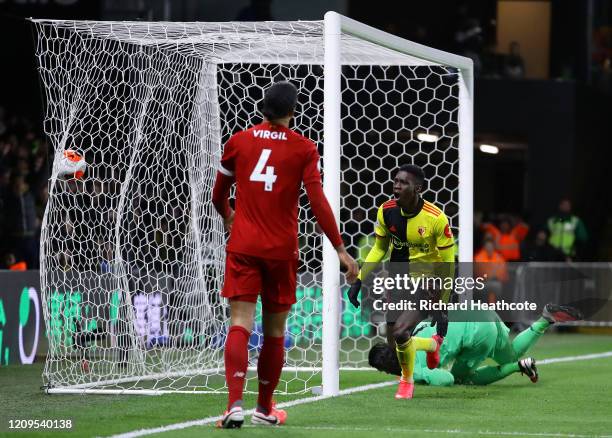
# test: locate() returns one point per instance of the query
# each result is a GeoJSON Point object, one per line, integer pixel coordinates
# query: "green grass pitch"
{"type": "Point", "coordinates": [571, 399]}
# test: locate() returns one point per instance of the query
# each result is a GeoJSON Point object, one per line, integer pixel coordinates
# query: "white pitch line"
{"type": "Point", "coordinates": [575, 358]}
{"type": "Point", "coordinates": [210, 420]}
{"type": "Point", "coordinates": [356, 389]}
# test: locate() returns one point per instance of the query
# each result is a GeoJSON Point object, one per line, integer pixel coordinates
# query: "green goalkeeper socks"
{"type": "Point", "coordinates": [527, 338]}
{"type": "Point", "coordinates": [490, 374]}
{"type": "Point", "coordinates": [540, 325]}
{"type": "Point", "coordinates": [521, 344]}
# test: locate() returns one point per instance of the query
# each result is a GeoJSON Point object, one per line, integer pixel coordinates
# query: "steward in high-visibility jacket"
{"type": "Point", "coordinates": [566, 230]}
{"type": "Point", "coordinates": [507, 244]}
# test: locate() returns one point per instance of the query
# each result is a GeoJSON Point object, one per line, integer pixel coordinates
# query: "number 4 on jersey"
{"type": "Point", "coordinates": [267, 178]}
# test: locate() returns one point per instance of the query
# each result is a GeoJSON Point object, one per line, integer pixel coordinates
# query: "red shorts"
{"type": "Point", "coordinates": [246, 277]}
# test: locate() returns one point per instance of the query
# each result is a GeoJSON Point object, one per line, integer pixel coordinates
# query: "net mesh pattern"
{"type": "Point", "coordinates": [133, 254]}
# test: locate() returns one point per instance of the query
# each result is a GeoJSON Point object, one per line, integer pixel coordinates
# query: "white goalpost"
{"type": "Point", "coordinates": [337, 25]}
{"type": "Point", "coordinates": [132, 255]}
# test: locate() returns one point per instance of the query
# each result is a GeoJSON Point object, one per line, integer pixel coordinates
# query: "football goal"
{"type": "Point", "coordinates": [133, 253]}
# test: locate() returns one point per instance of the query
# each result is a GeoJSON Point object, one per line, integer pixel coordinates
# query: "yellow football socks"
{"type": "Point", "coordinates": [406, 354]}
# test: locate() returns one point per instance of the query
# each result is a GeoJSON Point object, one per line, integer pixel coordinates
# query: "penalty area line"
{"type": "Point", "coordinates": [288, 404]}
{"type": "Point", "coordinates": [356, 389]}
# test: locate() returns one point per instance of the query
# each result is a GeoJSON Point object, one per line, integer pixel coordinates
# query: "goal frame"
{"type": "Point", "coordinates": [334, 26]}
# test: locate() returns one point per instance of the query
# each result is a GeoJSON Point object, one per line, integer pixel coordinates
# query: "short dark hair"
{"type": "Point", "coordinates": [279, 100]}
{"type": "Point", "coordinates": [415, 171]}
{"type": "Point", "coordinates": [383, 358]}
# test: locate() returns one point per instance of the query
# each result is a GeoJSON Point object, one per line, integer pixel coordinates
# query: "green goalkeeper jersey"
{"type": "Point", "coordinates": [469, 343]}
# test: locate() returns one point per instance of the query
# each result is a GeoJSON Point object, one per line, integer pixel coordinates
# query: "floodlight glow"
{"type": "Point", "coordinates": [430, 138]}
{"type": "Point", "coordinates": [489, 149]}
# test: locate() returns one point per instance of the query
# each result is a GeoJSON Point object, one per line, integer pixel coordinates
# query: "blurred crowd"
{"type": "Point", "coordinates": [472, 32]}
{"type": "Point", "coordinates": [473, 38]}
{"type": "Point", "coordinates": [503, 238]}
{"type": "Point", "coordinates": [509, 238]}
{"type": "Point", "coordinates": [23, 191]}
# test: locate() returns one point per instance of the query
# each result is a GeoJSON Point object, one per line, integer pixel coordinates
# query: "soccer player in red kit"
{"type": "Point", "coordinates": [268, 162]}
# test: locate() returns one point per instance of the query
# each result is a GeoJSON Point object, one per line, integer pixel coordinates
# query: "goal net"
{"type": "Point", "coordinates": [132, 255]}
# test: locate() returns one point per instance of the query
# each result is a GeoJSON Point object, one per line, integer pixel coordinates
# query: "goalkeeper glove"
{"type": "Point", "coordinates": [353, 293]}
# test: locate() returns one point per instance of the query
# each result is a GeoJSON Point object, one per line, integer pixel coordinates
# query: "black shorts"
{"type": "Point", "coordinates": [397, 297]}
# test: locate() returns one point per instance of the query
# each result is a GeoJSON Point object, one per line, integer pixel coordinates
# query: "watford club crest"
{"type": "Point", "coordinates": [447, 231]}
{"type": "Point", "coordinates": [421, 230]}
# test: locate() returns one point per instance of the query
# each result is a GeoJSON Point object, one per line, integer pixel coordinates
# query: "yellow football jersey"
{"type": "Point", "coordinates": [417, 237]}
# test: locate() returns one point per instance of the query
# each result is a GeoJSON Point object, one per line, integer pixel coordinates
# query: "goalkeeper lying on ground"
{"type": "Point", "coordinates": [468, 344]}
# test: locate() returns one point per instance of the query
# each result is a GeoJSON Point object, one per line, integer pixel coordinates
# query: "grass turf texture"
{"type": "Point", "coordinates": [571, 398]}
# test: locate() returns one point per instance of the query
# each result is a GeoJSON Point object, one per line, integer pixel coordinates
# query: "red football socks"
{"type": "Point", "coordinates": [269, 368]}
{"type": "Point", "coordinates": [236, 362]}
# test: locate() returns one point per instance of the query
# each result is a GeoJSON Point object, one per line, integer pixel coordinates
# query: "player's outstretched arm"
{"type": "Point", "coordinates": [220, 199]}
{"type": "Point", "coordinates": [374, 257]}
{"type": "Point", "coordinates": [348, 263]}
{"type": "Point", "coordinates": [327, 222]}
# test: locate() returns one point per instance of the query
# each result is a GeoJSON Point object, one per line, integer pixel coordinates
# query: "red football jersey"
{"type": "Point", "coordinates": [269, 163]}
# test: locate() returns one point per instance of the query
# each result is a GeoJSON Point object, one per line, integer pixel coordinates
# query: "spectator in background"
{"type": "Point", "coordinates": [11, 263]}
{"type": "Point", "coordinates": [539, 250]}
{"type": "Point", "coordinates": [514, 66]}
{"type": "Point", "coordinates": [567, 231]}
{"type": "Point", "coordinates": [41, 201]}
{"type": "Point", "coordinates": [22, 174]}
{"type": "Point", "coordinates": [506, 244]}
{"type": "Point", "coordinates": [520, 228]}
{"type": "Point", "coordinates": [489, 228]}
{"type": "Point", "coordinates": [23, 168]}
{"type": "Point", "coordinates": [39, 174]}
{"type": "Point", "coordinates": [492, 266]}
{"type": "Point", "coordinates": [20, 221]}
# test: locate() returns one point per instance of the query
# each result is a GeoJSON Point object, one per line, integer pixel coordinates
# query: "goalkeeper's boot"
{"type": "Point", "coordinates": [275, 417]}
{"type": "Point", "coordinates": [404, 390]}
{"type": "Point", "coordinates": [433, 357]}
{"type": "Point", "coordinates": [556, 313]}
{"type": "Point", "coordinates": [528, 367]}
{"type": "Point", "coordinates": [231, 419]}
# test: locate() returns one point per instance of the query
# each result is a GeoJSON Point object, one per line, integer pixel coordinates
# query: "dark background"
{"type": "Point", "coordinates": [553, 132]}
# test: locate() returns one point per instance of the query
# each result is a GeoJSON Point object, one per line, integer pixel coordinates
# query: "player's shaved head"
{"type": "Point", "coordinates": [279, 101]}
{"type": "Point", "coordinates": [415, 171]}
{"type": "Point", "coordinates": [408, 183]}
